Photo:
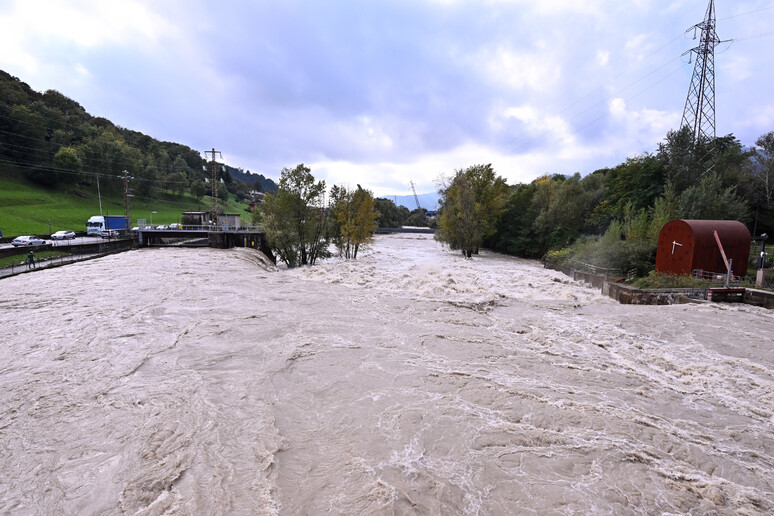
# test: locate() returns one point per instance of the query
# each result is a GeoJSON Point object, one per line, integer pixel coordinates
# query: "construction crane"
{"type": "Point", "coordinates": [415, 195]}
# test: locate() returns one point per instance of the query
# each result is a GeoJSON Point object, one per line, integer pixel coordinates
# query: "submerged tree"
{"type": "Point", "coordinates": [295, 218]}
{"type": "Point", "coordinates": [470, 205]}
{"type": "Point", "coordinates": [354, 220]}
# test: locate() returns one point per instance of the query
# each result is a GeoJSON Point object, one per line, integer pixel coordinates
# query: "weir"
{"type": "Point", "coordinates": [205, 236]}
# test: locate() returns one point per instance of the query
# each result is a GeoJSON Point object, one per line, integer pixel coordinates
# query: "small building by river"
{"type": "Point", "coordinates": [688, 245]}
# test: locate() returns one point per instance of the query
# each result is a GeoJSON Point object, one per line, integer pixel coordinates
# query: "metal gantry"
{"type": "Point", "coordinates": [416, 199]}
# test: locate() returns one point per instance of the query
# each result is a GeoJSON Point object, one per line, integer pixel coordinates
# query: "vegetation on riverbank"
{"type": "Point", "coordinates": [612, 217]}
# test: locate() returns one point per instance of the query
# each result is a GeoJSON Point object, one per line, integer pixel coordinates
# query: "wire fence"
{"type": "Point", "coordinates": [608, 272]}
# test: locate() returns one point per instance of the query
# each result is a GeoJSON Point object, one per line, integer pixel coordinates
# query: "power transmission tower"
{"type": "Point", "coordinates": [127, 195]}
{"type": "Point", "coordinates": [699, 112]}
{"type": "Point", "coordinates": [415, 194]}
{"type": "Point", "coordinates": [214, 181]}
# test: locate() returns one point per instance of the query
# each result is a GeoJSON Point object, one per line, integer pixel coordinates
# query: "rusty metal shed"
{"type": "Point", "coordinates": [685, 245]}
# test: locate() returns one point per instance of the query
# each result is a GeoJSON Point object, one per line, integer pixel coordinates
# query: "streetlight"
{"type": "Point", "coordinates": [152, 217]}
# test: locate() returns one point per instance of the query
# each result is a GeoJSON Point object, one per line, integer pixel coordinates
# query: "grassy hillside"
{"type": "Point", "coordinates": [27, 208]}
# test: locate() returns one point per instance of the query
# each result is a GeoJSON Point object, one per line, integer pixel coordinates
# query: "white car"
{"type": "Point", "coordinates": [63, 235]}
{"type": "Point", "coordinates": [27, 240]}
{"type": "Point", "coordinates": [162, 226]}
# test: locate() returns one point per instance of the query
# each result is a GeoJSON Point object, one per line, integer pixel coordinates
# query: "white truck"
{"type": "Point", "coordinates": [99, 225]}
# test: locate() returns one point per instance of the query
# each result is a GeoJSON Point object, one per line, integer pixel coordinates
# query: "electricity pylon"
{"type": "Point", "coordinates": [699, 112]}
{"type": "Point", "coordinates": [214, 180]}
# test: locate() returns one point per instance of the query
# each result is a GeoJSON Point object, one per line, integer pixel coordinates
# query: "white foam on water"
{"type": "Point", "coordinates": [411, 380]}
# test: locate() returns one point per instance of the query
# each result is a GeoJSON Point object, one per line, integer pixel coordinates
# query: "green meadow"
{"type": "Point", "coordinates": [27, 208]}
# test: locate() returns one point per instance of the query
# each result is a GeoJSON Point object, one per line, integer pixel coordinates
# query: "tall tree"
{"type": "Point", "coordinates": [355, 218]}
{"type": "Point", "coordinates": [470, 205]}
{"type": "Point", "coordinates": [295, 218]}
{"type": "Point", "coordinates": [760, 169]}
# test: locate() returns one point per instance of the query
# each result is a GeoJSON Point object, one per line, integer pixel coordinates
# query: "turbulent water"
{"type": "Point", "coordinates": [410, 381]}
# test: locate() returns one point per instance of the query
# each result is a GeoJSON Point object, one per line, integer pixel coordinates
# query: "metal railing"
{"type": "Point", "coordinates": [203, 227]}
{"type": "Point", "coordinates": [72, 254]}
{"type": "Point", "coordinates": [710, 280]}
{"type": "Point", "coordinates": [595, 269]}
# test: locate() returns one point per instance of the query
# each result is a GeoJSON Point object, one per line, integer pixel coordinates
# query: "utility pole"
{"type": "Point", "coordinates": [699, 111]}
{"type": "Point", "coordinates": [99, 195]}
{"type": "Point", "coordinates": [127, 195]}
{"type": "Point", "coordinates": [214, 180]}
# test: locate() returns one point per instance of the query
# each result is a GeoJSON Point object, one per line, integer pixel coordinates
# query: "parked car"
{"type": "Point", "coordinates": [63, 235]}
{"type": "Point", "coordinates": [27, 240]}
{"type": "Point", "coordinates": [162, 226]}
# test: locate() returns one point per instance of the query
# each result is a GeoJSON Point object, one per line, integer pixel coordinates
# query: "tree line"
{"type": "Point", "coordinates": [611, 217]}
{"type": "Point", "coordinates": [59, 145]}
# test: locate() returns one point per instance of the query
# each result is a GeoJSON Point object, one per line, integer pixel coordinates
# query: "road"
{"type": "Point", "coordinates": [57, 243]}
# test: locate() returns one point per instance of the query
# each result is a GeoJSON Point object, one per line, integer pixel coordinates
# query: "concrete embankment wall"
{"type": "Point", "coordinates": [759, 297]}
{"type": "Point", "coordinates": [628, 295]}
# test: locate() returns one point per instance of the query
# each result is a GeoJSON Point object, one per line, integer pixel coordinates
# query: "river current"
{"type": "Point", "coordinates": [409, 381]}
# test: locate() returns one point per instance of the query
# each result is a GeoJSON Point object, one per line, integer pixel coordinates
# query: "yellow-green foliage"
{"type": "Point", "coordinates": [355, 220]}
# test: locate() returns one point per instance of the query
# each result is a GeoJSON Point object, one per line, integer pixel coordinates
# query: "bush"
{"type": "Point", "coordinates": [609, 251]}
{"type": "Point", "coordinates": [662, 280]}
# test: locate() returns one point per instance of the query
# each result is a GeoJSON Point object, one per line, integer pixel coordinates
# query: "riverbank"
{"type": "Point", "coordinates": [629, 295]}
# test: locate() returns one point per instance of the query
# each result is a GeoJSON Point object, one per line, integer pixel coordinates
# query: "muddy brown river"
{"type": "Point", "coordinates": [410, 381]}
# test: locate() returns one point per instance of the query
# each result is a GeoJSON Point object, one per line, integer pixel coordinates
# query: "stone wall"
{"type": "Point", "coordinates": [756, 297]}
{"type": "Point", "coordinates": [628, 295]}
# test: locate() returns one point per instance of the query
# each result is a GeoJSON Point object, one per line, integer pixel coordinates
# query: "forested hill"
{"type": "Point", "coordinates": [57, 143]}
{"type": "Point", "coordinates": [256, 181]}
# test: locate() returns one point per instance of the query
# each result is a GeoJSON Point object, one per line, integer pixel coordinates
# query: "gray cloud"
{"type": "Point", "coordinates": [395, 89]}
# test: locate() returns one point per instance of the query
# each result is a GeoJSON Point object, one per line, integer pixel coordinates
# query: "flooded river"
{"type": "Point", "coordinates": [410, 381]}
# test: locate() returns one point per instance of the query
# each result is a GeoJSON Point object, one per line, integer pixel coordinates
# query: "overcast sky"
{"type": "Point", "coordinates": [386, 91]}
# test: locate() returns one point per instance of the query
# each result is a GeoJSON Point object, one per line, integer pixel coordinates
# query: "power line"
{"type": "Point", "coordinates": [103, 175]}
{"type": "Point", "coordinates": [94, 161]}
{"type": "Point", "coordinates": [609, 97]}
{"type": "Point", "coordinates": [753, 36]}
{"type": "Point", "coordinates": [747, 13]}
{"type": "Point", "coordinates": [510, 145]}
{"type": "Point", "coordinates": [135, 196]}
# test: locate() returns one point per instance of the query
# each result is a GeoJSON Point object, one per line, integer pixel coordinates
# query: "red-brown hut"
{"type": "Point", "coordinates": [685, 245]}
